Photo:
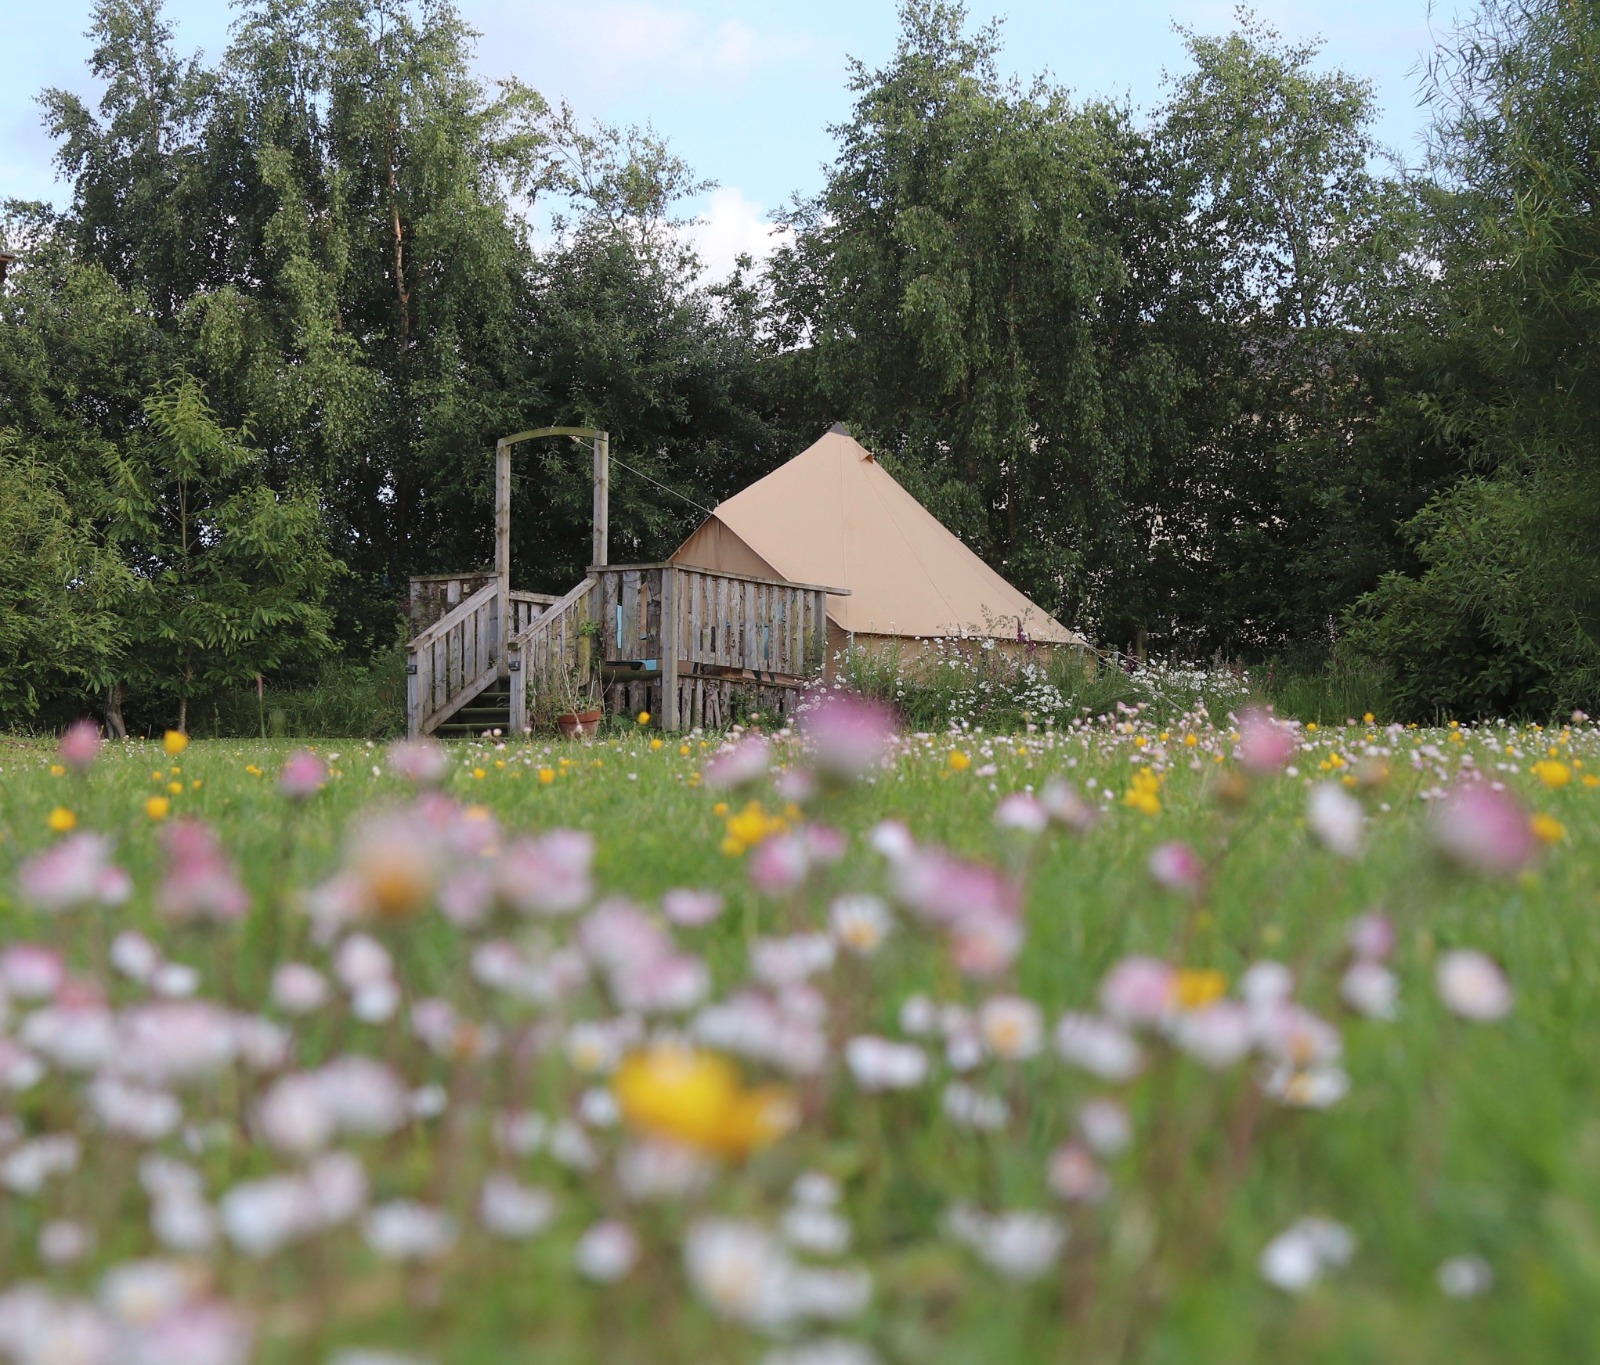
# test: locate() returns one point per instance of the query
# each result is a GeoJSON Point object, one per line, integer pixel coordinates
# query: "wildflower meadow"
{"type": "Point", "coordinates": [1152, 1036]}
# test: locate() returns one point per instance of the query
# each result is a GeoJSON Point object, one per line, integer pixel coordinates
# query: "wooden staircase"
{"type": "Point", "coordinates": [457, 682]}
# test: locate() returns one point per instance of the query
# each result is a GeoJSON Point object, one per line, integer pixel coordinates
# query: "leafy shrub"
{"type": "Point", "coordinates": [976, 682]}
{"type": "Point", "coordinates": [1496, 623]}
{"type": "Point", "coordinates": [347, 700]}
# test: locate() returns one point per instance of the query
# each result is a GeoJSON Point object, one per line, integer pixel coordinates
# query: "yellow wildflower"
{"type": "Point", "coordinates": [61, 820]}
{"type": "Point", "coordinates": [1144, 793]}
{"type": "Point", "coordinates": [1547, 829]}
{"type": "Point", "coordinates": [176, 788]}
{"type": "Point", "coordinates": [656, 744]}
{"type": "Point", "coordinates": [1552, 772]}
{"type": "Point", "coordinates": [478, 774]}
{"type": "Point", "coordinates": [56, 770]}
{"type": "Point", "coordinates": [644, 718]}
{"type": "Point", "coordinates": [547, 775]}
{"type": "Point", "coordinates": [958, 761]}
{"type": "Point", "coordinates": [175, 742]}
{"type": "Point", "coordinates": [158, 807]}
{"type": "Point", "coordinates": [1194, 988]}
{"type": "Point", "coordinates": [753, 824]}
{"type": "Point", "coordinates": [698, 1098]}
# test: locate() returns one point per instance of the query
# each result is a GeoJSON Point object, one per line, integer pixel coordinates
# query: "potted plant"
{"type": "Point", "coordinates": [580, 715]}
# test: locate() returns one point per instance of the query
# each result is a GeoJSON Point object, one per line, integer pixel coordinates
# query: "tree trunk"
{"type": "Point", "coordinates": [183, 714]}
{"type": "Point", "coordinates": [114, 723]}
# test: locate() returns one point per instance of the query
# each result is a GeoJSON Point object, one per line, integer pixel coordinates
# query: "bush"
{"type": "Point", "coordinates": [347, 701]}
{"type": "Point", "coordinates": [978, 683]}
{"type": "Point", "coordinates": [1497, 623]}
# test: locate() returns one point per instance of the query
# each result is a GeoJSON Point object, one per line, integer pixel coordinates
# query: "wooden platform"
{"type": "Point", "coordinates": [694, 647]}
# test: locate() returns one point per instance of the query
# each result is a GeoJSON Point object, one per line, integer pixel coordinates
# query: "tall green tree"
{"type": "Point", "coordinates": [1503, 612]}
{"type": "Point", "coordinates": [982, 285]}
{"type": "Point", "coordinates": [1308, 266]}
{"type": "Point", "coordinates": [61, 634]}
{"type": "Point", "coordinates": [229, 576]}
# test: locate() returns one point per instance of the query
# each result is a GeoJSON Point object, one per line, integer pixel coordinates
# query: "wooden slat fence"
{"type": "Point", "coordinates": [453, 660]}
{"type": "Point", "coordinates": [547, 651]}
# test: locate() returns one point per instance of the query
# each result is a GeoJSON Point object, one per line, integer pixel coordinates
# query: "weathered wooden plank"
{"type": "Point", "coordinates": [519, 687]}
{"type": "Point", "coordinates": [747, 632]}
{"type": "Point", "coordinates": [630, 615]}
{"type": "Point", "coordinates": [669, 649]}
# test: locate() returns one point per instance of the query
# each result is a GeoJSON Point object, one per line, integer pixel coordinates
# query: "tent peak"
{"type": "Point", "coordinates": [840, 429]}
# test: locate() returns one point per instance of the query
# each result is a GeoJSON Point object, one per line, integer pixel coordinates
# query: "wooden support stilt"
{"type": "Point", "coordinates": [502, 538]}
{"type": "Point", "coordinates": [602, 497]}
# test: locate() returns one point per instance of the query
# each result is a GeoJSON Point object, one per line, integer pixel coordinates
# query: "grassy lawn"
{"type": "Point", "coordinates": [1427, 1138]}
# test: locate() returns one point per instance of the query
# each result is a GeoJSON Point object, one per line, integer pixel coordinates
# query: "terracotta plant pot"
{"type": "Point", "coordinates": [575, 723]}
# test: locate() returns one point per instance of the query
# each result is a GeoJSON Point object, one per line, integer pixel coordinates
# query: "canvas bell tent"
{"type": "Point", "coordinates": [834, 515]}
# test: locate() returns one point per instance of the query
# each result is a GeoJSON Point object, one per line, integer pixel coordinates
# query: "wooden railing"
{"type": "Point", "coordinates": [528, 607]}
{"type": "Point", "coordinates": [547, 660]}
{"type": "Point", "coordinates": [681, 620]}
{"type": "Point", "coordinates": [453, 660]}
{"type": "Point", "coordinates": [664, 621]}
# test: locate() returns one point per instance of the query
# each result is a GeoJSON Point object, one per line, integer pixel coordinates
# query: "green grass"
{"type": "Point", "coordinates": [1455, 1138]}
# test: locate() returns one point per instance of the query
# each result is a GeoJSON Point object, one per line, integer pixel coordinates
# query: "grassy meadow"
{"type": "Point", "coordinates": [822, 1111]}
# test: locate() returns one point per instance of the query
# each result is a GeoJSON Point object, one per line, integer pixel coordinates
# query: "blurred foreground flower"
{"type": "Point", "coordinates": [174, 742]}
{"type": "Point", "coordinates": [200, 882]}
{"type": "Point", "coordinates": [1265, 745]}
{"type": "Point", "coordinates": [1336, 819]}
{"type": "Point", "coordinates": [1472, 985]}
{"type": "Point", "coordinates": [1483, 830]}
{"type": "Point", "coordinates": [303, 775]}
{"type": "Point", "coordinates": [419, 760]}
{"type": "Point", "coordinates": [1296, 1259]}
{"type": "Point", "coordinates": [80, 745]}
{"type": "Point", "coordinates": [76, 871]}
{"type": "Point", "coordinates": [737, 766]}
{"type": "Point", "coordinates": [846, 734]}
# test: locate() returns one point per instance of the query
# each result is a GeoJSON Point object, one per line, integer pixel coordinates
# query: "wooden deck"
{"type": "Point", "coordinates": [695, 647]}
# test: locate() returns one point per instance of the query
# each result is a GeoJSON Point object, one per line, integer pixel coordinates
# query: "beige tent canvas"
{"type": "Point", "coordinates": [833, 515]}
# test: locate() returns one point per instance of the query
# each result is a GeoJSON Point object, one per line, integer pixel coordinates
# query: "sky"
{"type": "Point", "coordinates": [745, 90]}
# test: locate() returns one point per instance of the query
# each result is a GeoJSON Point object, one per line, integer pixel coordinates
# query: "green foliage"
{"type": "Point", "coordinates": [230, 575]}
{"type": "Point", "coordinates": [1488, 627]}
{"type": "Point", "coordinates": [59, 630]}
{"type": "Point", "coordinates": [982, 280]}
{"type": "Point", "coordinates": [342, 701]}
{"type": "Point", "coordinates": [1505, 611]}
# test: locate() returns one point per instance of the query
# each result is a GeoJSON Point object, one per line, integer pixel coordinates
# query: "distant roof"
{"type": "Point", "coordinates": [834, 515]}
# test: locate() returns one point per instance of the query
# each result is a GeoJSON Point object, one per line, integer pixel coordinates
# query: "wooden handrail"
{"type": "Point", "coordinates": [556, 606]}
{"type": "Point", "coordinates": [719, 573]}
{"type": "Point", "coordinates": [455, 616]}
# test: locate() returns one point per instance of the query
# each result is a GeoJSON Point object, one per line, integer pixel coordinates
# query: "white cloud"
{"type": "Point", "coordinates": [729, 225]}
{"type": "Point", "coordinates": [613, 43]}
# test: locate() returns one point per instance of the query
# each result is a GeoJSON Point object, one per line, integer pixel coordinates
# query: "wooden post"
{"type": "Point", "coordinates": [519, 690]}
{"type": "Point", "coordinates": [413, 695]}
{"type": "Point", "coordinates": [502, 519]}
{"type": "Point", "coordinates": [602, 496]}
{"type": "Point", "coordinates": [669, 649]}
